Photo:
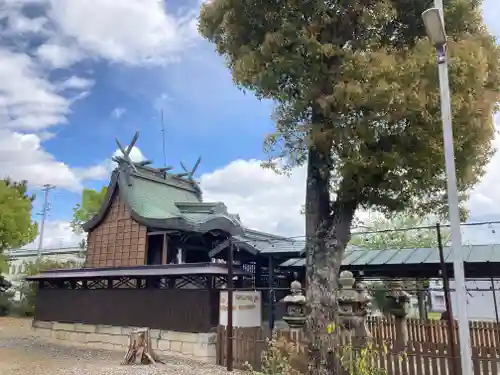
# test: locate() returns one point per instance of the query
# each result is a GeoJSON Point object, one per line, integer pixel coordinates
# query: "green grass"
{"type": "Point", "coordinates": [434, 315]}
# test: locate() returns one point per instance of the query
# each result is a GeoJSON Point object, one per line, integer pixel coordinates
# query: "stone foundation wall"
{"type": "Point", "coordinates": [200, 346]}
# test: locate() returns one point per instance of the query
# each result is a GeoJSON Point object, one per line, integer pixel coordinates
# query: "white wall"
{"type": "Point", "coordinates": [19, 258]}
{"type": "Point", "coordinates": [480, 303]}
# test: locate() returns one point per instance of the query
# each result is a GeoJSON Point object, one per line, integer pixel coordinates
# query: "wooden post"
{"type": "Point", "coordinates": [229, 343]}
{"type": "Point", "coordinates": [497, 332]}
{"type": "Point", "coordinates": [447, 299]}
{"type": "Point", "coordinates": [139, 349]}
{"type": "Point", "coordinates": [270, 285]}
{"type": "Point", "coordinates": [164, 249]}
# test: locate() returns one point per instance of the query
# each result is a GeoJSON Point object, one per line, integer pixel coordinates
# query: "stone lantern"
{"type": "Point", "coordinates": [398, 300]}
{"type": "Point", "coordinates": [353, 308]}
{"type": "Point", "coordinates": [295, 304]}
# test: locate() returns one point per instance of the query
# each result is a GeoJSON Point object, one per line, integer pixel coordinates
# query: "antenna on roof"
{"type": "Point", "coordinates": [163, 140]}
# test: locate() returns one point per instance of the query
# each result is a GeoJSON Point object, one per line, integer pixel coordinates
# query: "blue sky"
{"type": "Point", "coordinates": [79, 73]}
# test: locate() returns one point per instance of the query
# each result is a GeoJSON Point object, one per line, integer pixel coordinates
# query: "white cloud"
{"type": "Point", "coordinates": [130, 32]}
{"type": "Point", "coordinates": [94, 173]}
{"type": "Point", "coordinates": [59, 56]}
{"type": "Point", "coordinates": [133, 32]}
{"type": "Point", "coordinates": [27, 100]}
{"type": "Point", "coordinates": [272, 203]}
{"type": "Point", "coordinates": [76, 83]}
{"type": "Point", "coordinates": [57, 234]}
{"type": "Point", "coordinates": [135, 154]}
{"type": "Point", "coordinates": [29, 106]}
{"type": "Point", "coordinates": [263, 199]}
{"type": "Point", "coordinates": [23, 158]}
{"type": "Point", "coordinates": [162, 101]}
{"type": "Point", "coordinates": [485, 199]}
{"type": "Point", "coordinates": [491, 13]}
{"type": "Point", "coordinates": [18, 23]}
{"type": "Point", "coordinates": [103, 170]}
{"type": "Point", "coordinates": [117, 113]}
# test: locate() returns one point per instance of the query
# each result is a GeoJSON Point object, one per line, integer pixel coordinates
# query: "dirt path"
{"type": "Point", "coordinates": [21, 353]}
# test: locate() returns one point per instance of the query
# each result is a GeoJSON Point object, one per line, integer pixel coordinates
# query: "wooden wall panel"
{"type": "Point", "coordinates": [185, 310]}
{"type": "Point", "coordinates": [118, 240]}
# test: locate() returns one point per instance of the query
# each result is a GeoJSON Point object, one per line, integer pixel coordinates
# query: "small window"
{"type": "Point", "coordinates": [439, 299]}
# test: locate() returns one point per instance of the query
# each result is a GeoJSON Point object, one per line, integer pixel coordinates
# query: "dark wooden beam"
{"type": "Point", "coordinates": [164, 249]}
{"type": "Point", "coordinates": [159, 232]}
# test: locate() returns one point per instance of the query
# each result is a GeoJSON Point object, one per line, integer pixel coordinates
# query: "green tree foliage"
{"type": "Point", "coordinates": [356, 89]}
{"type": "Point", "coordinates": [16, 226]}
{"type": "Point", "coordinates": [28, 289]}
{"type": "Point", "coordinates": [388, 233]}
{"type": "Point", "coordinates": [88, 207]}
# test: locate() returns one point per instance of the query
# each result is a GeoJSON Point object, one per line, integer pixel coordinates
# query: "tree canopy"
{"type": "Point", "coordinates": [16, 225]}
{"type": "Point", "coordinates": [88, 207]}
{"type": "Point", "coordinates": [358, 80]}
{"type": "Point", "coordinates": [356, 88]}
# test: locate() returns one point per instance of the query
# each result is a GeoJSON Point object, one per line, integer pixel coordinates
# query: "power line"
{"type": "Point", "coordinates": [44, 213]}
{"type": "Point", "coordinates": [301, 238]}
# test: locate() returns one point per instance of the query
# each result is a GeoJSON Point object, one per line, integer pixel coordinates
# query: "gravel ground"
{"type": "Point", "coordinates": [23, 354]}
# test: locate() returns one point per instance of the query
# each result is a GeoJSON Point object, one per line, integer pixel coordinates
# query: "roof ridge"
{"type": "Point", "coordinates": [169, 180]}
{"type": "Point", "coordinates": [268, 235]}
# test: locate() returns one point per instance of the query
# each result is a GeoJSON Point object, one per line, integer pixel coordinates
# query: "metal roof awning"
{"type": "Point", "coordinates": [280, 247]}
{"type": "Point", "coordinates": [480, 261]}
{"type": "Point", "coordinates": [188, 269]}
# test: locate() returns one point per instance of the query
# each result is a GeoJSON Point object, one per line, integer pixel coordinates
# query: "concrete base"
{"type": "Point", "coordinates": [200, 346]}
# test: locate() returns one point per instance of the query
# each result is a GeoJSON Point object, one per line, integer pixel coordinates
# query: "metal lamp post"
{"type": "Point", "coordinates": [434, 25]}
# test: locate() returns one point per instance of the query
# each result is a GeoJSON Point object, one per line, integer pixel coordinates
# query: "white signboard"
{"type": "Point", "coordinates": [247, 308]}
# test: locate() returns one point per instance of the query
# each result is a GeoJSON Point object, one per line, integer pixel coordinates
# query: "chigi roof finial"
{"type": "Point", "coordinates": [126, 153]}
{"type": "Point", "coordinates": [125, 163]}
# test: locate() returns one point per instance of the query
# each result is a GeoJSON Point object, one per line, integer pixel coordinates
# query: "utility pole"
{"type": "Point", "coordinates": [45, 211]}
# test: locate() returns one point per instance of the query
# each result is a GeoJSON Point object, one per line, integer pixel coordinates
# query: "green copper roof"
{"type": "Point", "coordinates": [155, 200]}
{"type": "Point", "coordinates": [163, 200]}
{"type": "Point", "coordinates": [367, 257]}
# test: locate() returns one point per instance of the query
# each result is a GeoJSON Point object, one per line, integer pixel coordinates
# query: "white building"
{"type": "Point", "coordinates": [480, 301]}
{"type": "Point", "coordinates": [19, 258]}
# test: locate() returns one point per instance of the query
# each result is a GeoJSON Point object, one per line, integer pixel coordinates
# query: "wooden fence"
{"type": "Point", "coordinates": [427, 352]}
{"type": "Point", "coordinates": [483, 334]}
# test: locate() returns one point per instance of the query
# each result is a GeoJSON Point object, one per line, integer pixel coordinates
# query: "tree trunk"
{"type": "Point", "coordinates": [421, 300]}
{"type": "Point", "coordinates": [328, 232]}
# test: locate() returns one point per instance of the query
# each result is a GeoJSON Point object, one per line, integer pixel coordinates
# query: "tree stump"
{"type": "Point", "coordinates": [139, 349]}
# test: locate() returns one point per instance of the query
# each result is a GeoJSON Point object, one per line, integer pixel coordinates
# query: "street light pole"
{"type": "Point", "coordinates": [451, 181]}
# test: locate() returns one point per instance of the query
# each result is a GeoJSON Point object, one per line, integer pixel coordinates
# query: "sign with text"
{"type": "Point", "coordinates": [247, 309]}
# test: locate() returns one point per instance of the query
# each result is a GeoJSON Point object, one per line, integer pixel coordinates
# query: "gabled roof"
{"type": "Point", "coordinates": [161, 200]}
{"type": "Point", "coordinates": [256, 242]}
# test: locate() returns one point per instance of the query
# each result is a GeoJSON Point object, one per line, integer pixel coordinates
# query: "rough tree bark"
{"type": "Point", "coordinates": [421, 299]}
{"type": "Point", "coordinates": [328, 232]}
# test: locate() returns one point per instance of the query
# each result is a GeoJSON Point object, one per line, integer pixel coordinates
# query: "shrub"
{"type": "Point", "coordinates": [6, 302]}
{"type": "Point", "coordinates": [283, 357]}
{"type": "Point", "coordinates": [28, 290]}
